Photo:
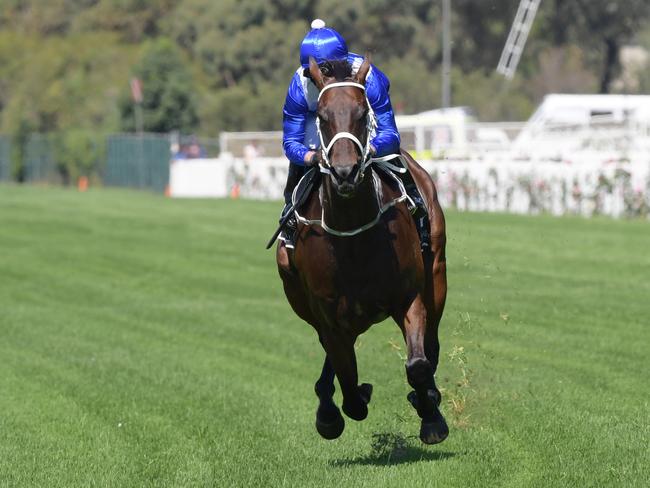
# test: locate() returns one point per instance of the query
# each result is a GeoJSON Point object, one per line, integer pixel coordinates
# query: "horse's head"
{"type": "Point", "coordinates": [344, 121]}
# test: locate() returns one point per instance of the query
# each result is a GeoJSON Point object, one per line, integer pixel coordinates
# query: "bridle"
{"type": "Point", "coordinates": [367, 160]}
{"type": "Point", "coordinates": [371, 124]}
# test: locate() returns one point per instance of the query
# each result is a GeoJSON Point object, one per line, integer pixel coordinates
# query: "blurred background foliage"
{"type": "Point", "coordinates": [209, 66]}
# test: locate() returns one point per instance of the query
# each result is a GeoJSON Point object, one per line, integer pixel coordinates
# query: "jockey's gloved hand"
{"type": "Point", "coordinates": [315, 159]}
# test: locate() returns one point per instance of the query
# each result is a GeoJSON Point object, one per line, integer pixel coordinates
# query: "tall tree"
{"type": "Point", "coordinates": [608, 24]}
{"type": "Point", "coordinates": [168, 91]}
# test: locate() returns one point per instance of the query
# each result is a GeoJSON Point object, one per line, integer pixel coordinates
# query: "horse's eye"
{"type": "Point", "coordinates": [323, 116]}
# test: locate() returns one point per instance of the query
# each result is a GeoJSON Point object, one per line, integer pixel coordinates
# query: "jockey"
{"type": "Point", "coordinates": [300, 137]}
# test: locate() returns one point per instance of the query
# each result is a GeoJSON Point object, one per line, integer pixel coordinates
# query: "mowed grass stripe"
{"type": "Point", "coordinates": [147, 342]}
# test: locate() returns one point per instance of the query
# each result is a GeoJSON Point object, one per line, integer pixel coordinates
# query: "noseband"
{"type": "Point", "coordinates": [384, 162]}
{"type": "Point", "coordinates": [371, 124]}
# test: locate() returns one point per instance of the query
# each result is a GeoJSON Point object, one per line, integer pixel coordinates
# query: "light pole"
{"type": "Point", "coordinates": [136, 93]}
{"type": "Point", "coordinates": [446, 53]}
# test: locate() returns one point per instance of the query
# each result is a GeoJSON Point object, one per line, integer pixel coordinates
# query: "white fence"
{"type": "Point", "coordinates": [586, 185]}
{"type": "Point", "coordinates": [471, 140]}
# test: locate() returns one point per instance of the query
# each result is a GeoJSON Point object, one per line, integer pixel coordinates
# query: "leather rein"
{"type": "Point", "coordinates": [367, 160]}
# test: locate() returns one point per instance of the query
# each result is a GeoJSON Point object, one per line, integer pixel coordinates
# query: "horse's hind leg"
{"type": "Point", "coordinates": [340, 353]}
{"type": "Point", "coordinates": [436, 288]}
{"type": "Point", "coordinates": [329, 421]}
{"type": "Point", "coordinates": [419, 372]}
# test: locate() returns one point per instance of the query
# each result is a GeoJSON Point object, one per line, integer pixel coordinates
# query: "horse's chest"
{"type": "Point", "coordinates": [354, 311]}
{"type": "Point", "coordinates": [355, 286]}
{"type": "Point", "coordinates": [364, 298]}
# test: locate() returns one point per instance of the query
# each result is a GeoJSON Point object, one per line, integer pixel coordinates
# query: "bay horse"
{"type": "Point", "coordinates": [357, 259]}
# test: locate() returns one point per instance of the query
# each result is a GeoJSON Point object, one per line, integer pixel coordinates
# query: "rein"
{"type": "Point", "coordinates": [367, 160]}
{"type": "Point", "coordinates": [381, 163]}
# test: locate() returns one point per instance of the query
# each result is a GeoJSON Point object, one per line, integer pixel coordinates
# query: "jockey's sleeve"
{"type": "Point", "coordinates": [386, 140]}
{"type": "Point", "coordinates": [293, 123]}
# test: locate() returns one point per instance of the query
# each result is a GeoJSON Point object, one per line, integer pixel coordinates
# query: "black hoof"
{"type": "Point", "coordinates": [330, 426]}
{"type": "Point", "coordinates": [434, 430]}
{"type": "Point", "coordinates": [365, 390]}
{"type": "Point", "coordinates": [359, 410]}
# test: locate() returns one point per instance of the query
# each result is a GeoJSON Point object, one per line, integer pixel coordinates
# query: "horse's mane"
{"type": "Point", "coordinates": [340, 70]}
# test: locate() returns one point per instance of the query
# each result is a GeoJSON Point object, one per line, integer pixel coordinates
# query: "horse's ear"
{"type": "Point", "coordinates": [360, 77]}
{"type": "Point", "coordinates": [315, 73]}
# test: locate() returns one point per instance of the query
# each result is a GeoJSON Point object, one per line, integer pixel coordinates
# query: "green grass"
{"type": "Point", "coordinates": [147, 342]}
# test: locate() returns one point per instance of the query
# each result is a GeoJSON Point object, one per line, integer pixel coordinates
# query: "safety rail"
{"type": "Point", "coordinates": [476, 140]}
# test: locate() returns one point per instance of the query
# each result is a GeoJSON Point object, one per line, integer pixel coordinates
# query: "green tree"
{"type": "Point", "coordinates": [79, 152]}
{"type": "Point", "coordinates": [59, 83]}
{"type": "Point", "coordinates": [480, 31]}
{"type": "Point", "coordinates": [168, 91]}
{"type": "Point", "coordinates": [600, 28]}
{"type": "Point", "coordinates": [134, 20]}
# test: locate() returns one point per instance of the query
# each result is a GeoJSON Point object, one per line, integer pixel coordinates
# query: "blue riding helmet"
{"type": "Point", "coordinates": [322, 43]}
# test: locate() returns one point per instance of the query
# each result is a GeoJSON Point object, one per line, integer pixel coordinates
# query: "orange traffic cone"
{"type": "Point", "coordinates": [82, 183]}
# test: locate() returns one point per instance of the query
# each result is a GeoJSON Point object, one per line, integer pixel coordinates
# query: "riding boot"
{"type": "Point", "coordinates": [420, 209]}
{"type": "Point", "coordinates": [287, 235]}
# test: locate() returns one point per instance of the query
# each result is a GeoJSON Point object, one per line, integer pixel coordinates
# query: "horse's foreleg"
{"type": "Point", "coordinates": [340, 353]}
{"type": "Point", "coordinates": [419, 373]}
{"type": "Point", "coordinates": [329, 421]}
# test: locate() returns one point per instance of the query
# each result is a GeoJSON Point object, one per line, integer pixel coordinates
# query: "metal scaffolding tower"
{"type": "Point", "coordinates": [517, 39]}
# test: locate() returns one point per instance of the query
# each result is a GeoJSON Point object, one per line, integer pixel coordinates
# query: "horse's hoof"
{"type": "Point", "coordinates": [330, 428]}
{"type": "Point", "coordinates": [365, 390]}
{"type": "Point", "coordinates": [434, 430]}
{"type": "Point", "coordinates": [359, 410]}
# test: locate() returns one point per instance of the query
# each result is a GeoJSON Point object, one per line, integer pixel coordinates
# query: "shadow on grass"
{"type": "Point", "coordinates": [390, 449]}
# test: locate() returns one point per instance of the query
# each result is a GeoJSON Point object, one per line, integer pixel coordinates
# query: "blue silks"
{"type": "Point", "coordinates": [300, 112]}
